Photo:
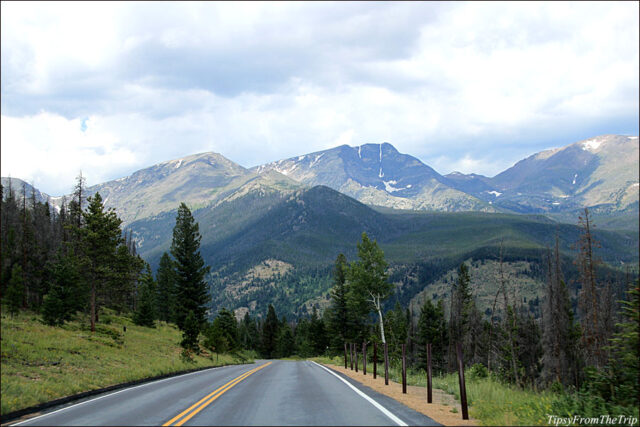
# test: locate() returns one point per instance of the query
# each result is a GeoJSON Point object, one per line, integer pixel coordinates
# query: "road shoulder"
{"type": "Point", "coordinates": [415, 399]}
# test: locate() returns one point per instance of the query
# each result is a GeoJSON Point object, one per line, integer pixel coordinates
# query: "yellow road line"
{"type": "Point", "coordinates": [202, 403]}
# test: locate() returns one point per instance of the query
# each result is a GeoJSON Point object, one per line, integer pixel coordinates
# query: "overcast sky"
{"type": "Point", "coordinates": [111, 88]}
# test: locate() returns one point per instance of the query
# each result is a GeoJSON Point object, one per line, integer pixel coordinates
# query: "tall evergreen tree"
{"type": "Point", "coordinates": [190, 332]}
{"type": "Point", "coordinates": [432, 328]}
{"type": "Point", "coordinates": [339, 320]}
{"type": "Point", "coordinates": [191, 289]}
{"type": "Point", "coordinates": [285, 345]}
{"type": "Point", "coordinates": [166, 279]}
{"type": "Point", "coordinates": [397, 328]}
{"type": "Point", "coordinates": [145, 314]}
{"type": "Point", "coordinates": [101, 236]}
{"type": "Point", "coordinates": [215, 338]}
{"type": "Point", "coordinates": [66, 294]}
{"type": "Point", "coordinates": [124, 279]}
{"type": "Point", "coordinates": [462, 305]}
{"type": "Point", "coordinates": [9, 238]}
{"type": "Point", "coordinates": [625, 348]}
{"type": "Point", "coordinates": [560, 332]}
{"type": "Point", "coordinates": [270, 333]}
{"type": "Point", "coordinates": [248, 333]}
{"type": "Point", "coordinates": [225, 322]}
{"type": "Point", "coordinates": [317, 334]}
{"type": "Point", "coordinates": [15, 290]}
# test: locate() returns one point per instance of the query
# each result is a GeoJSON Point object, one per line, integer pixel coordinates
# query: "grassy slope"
{"type": "Point", "coordinates": [41, 363]}
{"type": "Point", "coordinates": [490, 401]}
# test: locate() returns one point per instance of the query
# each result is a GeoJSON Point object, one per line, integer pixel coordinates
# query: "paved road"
{"type": "Point", "coordinates": [263, 393]}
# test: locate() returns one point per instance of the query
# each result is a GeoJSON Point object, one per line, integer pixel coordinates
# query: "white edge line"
{"type": "Point", "coordinates": [370, 400]}
{"type": "Point", "coordinates": [111, 394]}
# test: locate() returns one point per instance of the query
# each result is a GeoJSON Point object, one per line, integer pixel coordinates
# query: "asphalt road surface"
{"type": "Point", "coordinates": [264, 393]}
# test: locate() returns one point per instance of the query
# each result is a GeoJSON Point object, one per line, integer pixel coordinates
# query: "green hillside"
{"type": "Point", "coordinates": [41, 363]}
{"type": "Point", "coordinates": [306, 229]}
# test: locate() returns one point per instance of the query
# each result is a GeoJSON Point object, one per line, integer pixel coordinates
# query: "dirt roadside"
{"type": "Point", "coordinates": [416, 398]}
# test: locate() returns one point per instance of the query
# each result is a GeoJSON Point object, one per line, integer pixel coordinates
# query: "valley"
{"type": "Point", "coordinates": [271, 233]}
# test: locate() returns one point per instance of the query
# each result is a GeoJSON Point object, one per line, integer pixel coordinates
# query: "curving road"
{"type": "Point", "coordinates": [264, 393]}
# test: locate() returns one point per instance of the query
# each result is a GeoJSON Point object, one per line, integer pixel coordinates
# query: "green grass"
{"type": "Point", "coordinates": [41, 363]}
{"type": "Point", "coordinates": [495, 403]}
{"type": "Point", "coordinates": [491, 401]}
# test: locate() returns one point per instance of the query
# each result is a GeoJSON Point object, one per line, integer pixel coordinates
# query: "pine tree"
{"type": "Point", "coordinates": [215, 339]}
{"type": "Point", "coordinates": [165, 276]}
{"type": "Point", "coordinates": [10, 230]}
{"type": "Point", "coordinates": [248, 333]}
{"type": "Point", "coordinates": [225, 322]}
{"type": "Point", "coordinates": [190, 332]}
{"type": "Point", "coordinates": [560, 332]}
{"type": "Point", "coordinates": [339, 320]}
{"type": "Point", "coordinates": [126, 272]}
{"type": "Point", "coordinates": [368, 278]}
{"type": "Point", "coordinates": [145, 314]}
{"type": "Point", "coordinates": [191, 288]}
{"type": "Point", "coordinates": [625, 346]}
{"type": "Point", "coordinates": [397, 328]}
{"type": "Point", "coordinates": [270, 333]}
{"type": "Point", "coordinates": [432, 328]}
{"type": "Point", "coordinates": [100, 237]}
{"type": "Point", "coordinates": [77, 203]}
{"type": "Point", "coordinates": [285, 345]}
{"type": "Point", "coordinates": [15, 290]}
{"type": "Point", "coordinates": [317, 334]}
{"type": "Point", "coordinates": [462, 305]}
{"type": "Point", "coordinates": [66, 294]}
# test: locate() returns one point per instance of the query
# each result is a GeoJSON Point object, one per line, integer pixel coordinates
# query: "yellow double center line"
{"type": "Point", "coordinates": [188, 413]}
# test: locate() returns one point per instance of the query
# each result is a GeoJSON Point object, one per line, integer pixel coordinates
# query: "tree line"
{"type": "Point", "coordinates": [593, 350]}
{"type": "Point", "coordinates": [78, 259]}
{"type": "Point", "coordinates": [62, 262]}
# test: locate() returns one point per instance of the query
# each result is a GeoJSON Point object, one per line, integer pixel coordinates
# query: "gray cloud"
{"type": "Point", "coordinates": [470, 85]}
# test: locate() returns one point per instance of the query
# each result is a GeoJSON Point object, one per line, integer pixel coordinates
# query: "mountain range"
{"type": "Point", "coordinates": [270, 233]}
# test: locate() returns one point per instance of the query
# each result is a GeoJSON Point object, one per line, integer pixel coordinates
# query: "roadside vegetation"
{"type": "Point", "coordinates": [42, 363]}
{"type": "Point", "coordinates": [71, 291]}
{"type": "Point", "coordinates": [494, 402]}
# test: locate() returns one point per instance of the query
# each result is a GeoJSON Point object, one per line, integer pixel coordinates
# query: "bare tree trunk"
{"type": "Point", "coordinates": [381, 325]}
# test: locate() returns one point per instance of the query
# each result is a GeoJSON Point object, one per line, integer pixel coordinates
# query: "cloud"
{"type": "Point", "coordinates": [470, 86]}
{"type": "Point", "coordinates": [50, 151]}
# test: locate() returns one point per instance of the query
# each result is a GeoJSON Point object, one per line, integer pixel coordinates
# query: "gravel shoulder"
{"type": "Point", "coordinates": [416, 398]}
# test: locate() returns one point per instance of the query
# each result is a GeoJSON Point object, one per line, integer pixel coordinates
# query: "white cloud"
{"type": "Point", "coordinates": [468, 86]}
{"type": "Point", "coordinates": [49, 150]}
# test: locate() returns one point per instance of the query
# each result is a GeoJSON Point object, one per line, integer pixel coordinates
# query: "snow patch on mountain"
{"type": "Point", "coordinates": [574, 179]}
{"type": "Point", "coordinates": [316, 160]}
{"type": "Point", "coordinates": [632, 137]}
{"type": "Point", "coordinates": [179, 164]}
{"type": "Point", "coordinates": [591, 145]}
{"type": "Point", "coordinates": [495, 193]}
{"type": "Point", "coordinates": [286, 171]}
